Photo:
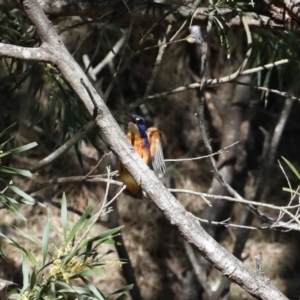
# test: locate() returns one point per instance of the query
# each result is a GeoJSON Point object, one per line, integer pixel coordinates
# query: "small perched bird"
{"type": "Point", "coordinates": [148, 144]}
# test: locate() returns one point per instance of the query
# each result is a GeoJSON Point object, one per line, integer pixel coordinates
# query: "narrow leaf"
{"type": "Point", "coordinates": [78, 224]}
{"type": "Point", "coordinates": [123, 289]}
{"type": "Point", "coordinates": [7, 129]}
{"type": "Point", "coordinates": [25, 271]}
{"type": "Point", "coordinates": [92, 288]}
{"type": "Point", "coordinates": [15, 171]}
{"type": "Point", "coordinates": [32, 279]}
{"type": "Point", "coordinates": [291, 167]}
{"type": "Point", "coordinates": [45, 240]}
{"type": "Point", "coordinates": [122, 297]}
{"type": "Point", "coordinates": [64, 215]}
{"type": "Point", "coordinates": [18, 191]}
{"type": "Point", "coordinates": [30, 237]}
{"type": "Point", "coordinates": [23, 148]}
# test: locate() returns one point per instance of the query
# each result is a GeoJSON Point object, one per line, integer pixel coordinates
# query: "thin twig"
{"type": "Point", "coordinates": [97, 165]}
{"type": "Point", "coordinates": [115, 197]}
{"type": "Point", "coordinates": [226, 224]}
{"type": "Point", "coordinates": [201, 195]}
{"type": "Point", "coordinates": [244, 201]}
{"type": "Point", "coordinates": [106, 60]}
{"type": "Point", "coordinates": [266, 89]}
{"type": "Point", "coordinates": [71, 179]}
{"type": "Point", "coordinates": [209, 82]}
{"type": "Point", "coordinates": [98, 215]}
{"type": "Point", "coordinates": [201, 157]}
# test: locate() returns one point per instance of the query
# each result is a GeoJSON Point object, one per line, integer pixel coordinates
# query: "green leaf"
{"type": "Point", "coordinates": [15, 171]}
{"type": "Point", "coordinates": [88, 251]}
{"type": "Point", "coordinates": [72, 289]}
{"type": "Point", "coordinates": [68, 257]}
{"type": "Point", "coordinates": [95, 269]}
{"type": "Point", "coordinates": [6, 199]}
{"type": "Point", "coordinates": [25, 272]}
{"type": "Point", "coordinates": [90, 221]}
{"type": "Point", "coordinates": [23, 148]}
{"type": "Point", "coordinates": [122, 297]}
{"type": "Point", "coordinates": [31, 257]}
{"type": "Point", "coordinates": [3, 145]}
{"type": "Point", "coordinates": [291, 167]}
{"type": "Point", "coordinates": [32, 280]}
{"type": "Point", "coordinates": [78, 224]}
{"type": "Point", "coordinates": [18, 191]}
{"type": "Point", "coordinates": [291, 191]}
{"type": "Point", "coordinates": [55, 229]}
{"type": "Point", "coordinates": [7, 129]}
{"type": "Point", "coordinates": [30, 237]}
{"type": "Point", "coordinates": [123, 289]}
{"type": "Point", "coordinates": [19, 149]}
{"type": "Point", "coordinates": [64, 215]}
{"type": "Point", "coordinates": [92, 288]}
{"type": "Point", "coordinates": [101, 237]}
{"type": "Point", "coordinates": [92, 269]}
{"type": "Point", "coordinates": [45, 240]}
{"type": "Point", "coordinates": [13, 207]}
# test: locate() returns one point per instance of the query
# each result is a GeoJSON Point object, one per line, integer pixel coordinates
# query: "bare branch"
{"type": "Point", "coordinates": [201, 157]}
{"type": "Point", "coordinates": [107, 59]}
{"type": "Point", "coordinates": [24, 53]}
{"type": "Point", "coordinates": [209, 82]}
{"type": "Point", "coordinates": [100, 212]}
{"type": "Point", "coordinates": [97, 165]}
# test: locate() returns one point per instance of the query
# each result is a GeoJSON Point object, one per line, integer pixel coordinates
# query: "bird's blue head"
{"type": "Point", "coordinates": [137, 125]}
{"type": "Point", "coordinates": [140, 123]}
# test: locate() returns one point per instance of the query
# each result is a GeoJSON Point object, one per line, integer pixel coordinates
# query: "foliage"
{"type": "Point", "coordinates": [62, 268]}
{"type": "Point", "coordinates": [6, 200]}
{"type": "Point", "coordinates": [57, 275]}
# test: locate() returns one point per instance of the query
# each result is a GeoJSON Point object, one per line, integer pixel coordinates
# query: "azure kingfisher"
{"type": "Point", "coordinates": [148, 144]}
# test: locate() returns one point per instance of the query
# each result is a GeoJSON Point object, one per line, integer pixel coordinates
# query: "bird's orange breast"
{"type": "Point", "coordinates": [140, 146]}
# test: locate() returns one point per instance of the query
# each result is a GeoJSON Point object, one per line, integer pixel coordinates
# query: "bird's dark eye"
{"type": "Point", "coordinates": [139, 122]}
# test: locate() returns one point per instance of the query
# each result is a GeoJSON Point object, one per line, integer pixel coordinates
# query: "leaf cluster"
{"type": "Point", "coordinates": [63, 271]}
{"type": "Point", "coordinates": [7, 201]}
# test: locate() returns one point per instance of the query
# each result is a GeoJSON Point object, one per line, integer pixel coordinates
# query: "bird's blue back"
{"type": "Point", "coordinates": [142, 129]}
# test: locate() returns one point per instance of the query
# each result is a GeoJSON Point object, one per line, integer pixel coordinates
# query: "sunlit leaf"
{"type": "Point", "coordinates": [18, 191]}
{"type": "Point", "coordinates": [122, 297]}
{"type": "Point", "coordinates": [94, 289]}
{"type": "Point", "coordinates": [45, 240]}
{"type": "Point", "coordinates": [72, 289]}
{"type": "Point", "coordinates": [291, 166]}
{"type": "Point", "coordinates": [25, 271]}
{"type": "Point", "coordinates": [101, 237]}
{"type": "Point", "coordinates": [19, 149]}
{"type": "Point", "coordinates": [291, 191]}
{"type": "Point", "coordinates": [78, 224]}
{"type": "Point", "coordinates": [9, 170]}
{"type": "Point", "coordinates": [64, 215]}
{"type": "Point", "coordinates": [30, 237]}
{"type": "Point", "coordinates": [123, 289]}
